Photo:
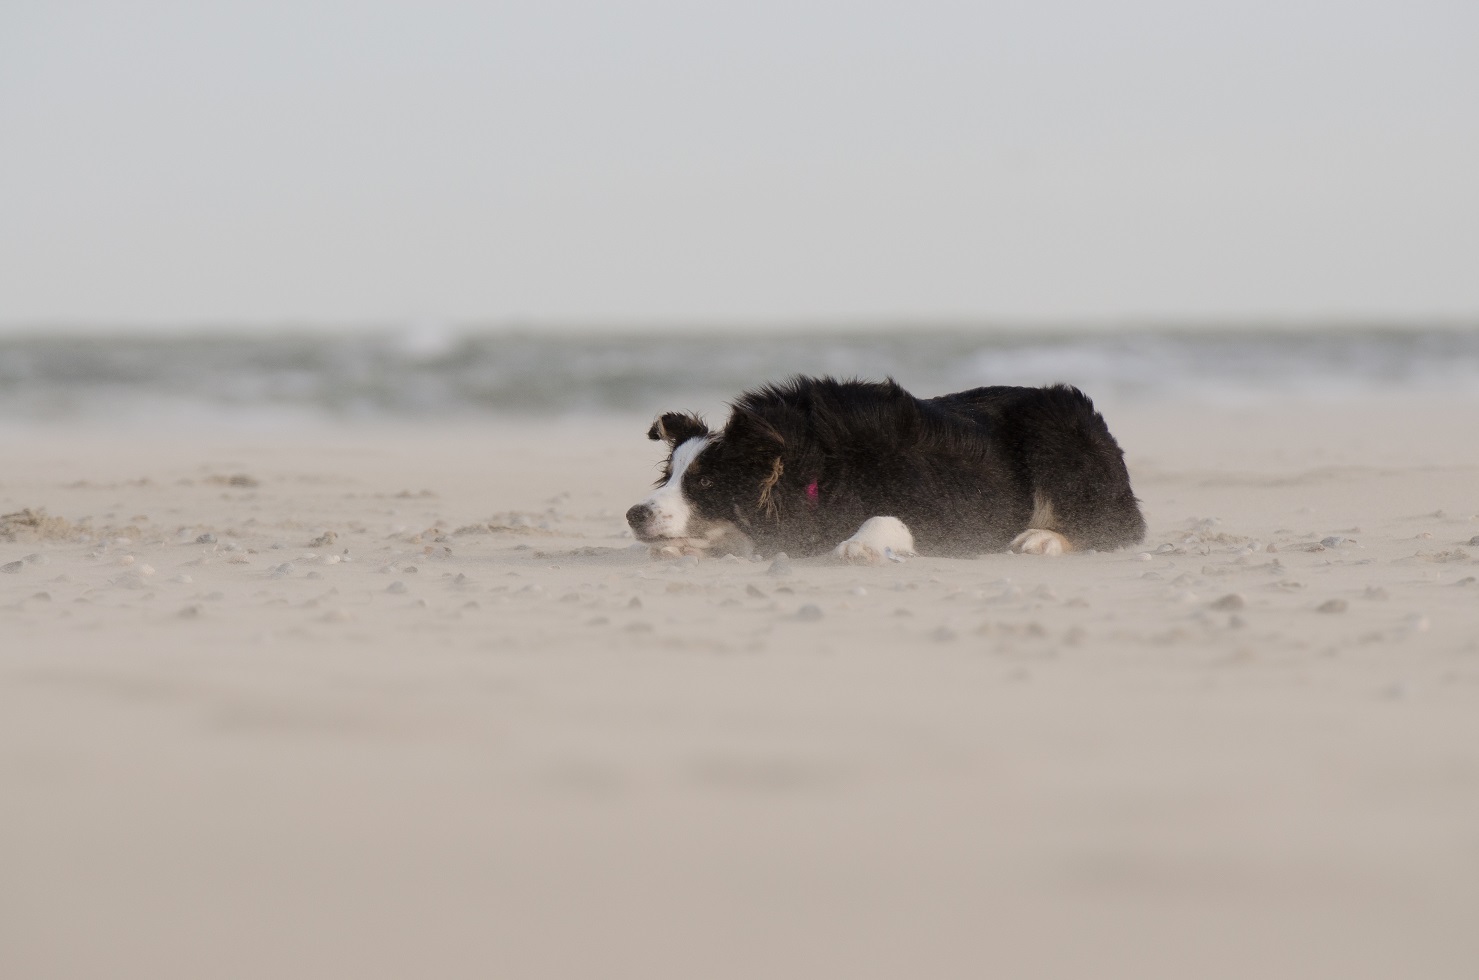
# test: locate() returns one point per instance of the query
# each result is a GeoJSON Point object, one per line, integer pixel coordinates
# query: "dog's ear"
{"type": "Point", "coordinates": [758, 439]}
{"type": "Point", "coordinates": [749, 430]}
{"type": "Point", "coordinates": [674, 428]}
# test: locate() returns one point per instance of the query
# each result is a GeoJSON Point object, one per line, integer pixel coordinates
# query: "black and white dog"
{"type": "Point", "coordinates": [802, 466]}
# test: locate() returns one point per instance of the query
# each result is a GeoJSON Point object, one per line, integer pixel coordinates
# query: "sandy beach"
{"type": "Point", "coordinates": [391, 701]}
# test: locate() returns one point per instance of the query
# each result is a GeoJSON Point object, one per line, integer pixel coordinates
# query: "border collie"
{"type": "Point", "coordinates": [867, 471]}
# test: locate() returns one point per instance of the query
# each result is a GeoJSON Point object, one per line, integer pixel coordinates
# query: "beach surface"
{"type": "Point", "coordinates": [389, 701]}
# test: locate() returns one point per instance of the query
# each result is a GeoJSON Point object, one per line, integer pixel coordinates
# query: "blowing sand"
{"type": "Point", "coordinates": [391, 703]}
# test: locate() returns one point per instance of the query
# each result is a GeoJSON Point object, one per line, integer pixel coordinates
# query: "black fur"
{"type": "Point", "coordinates": [965, 472]}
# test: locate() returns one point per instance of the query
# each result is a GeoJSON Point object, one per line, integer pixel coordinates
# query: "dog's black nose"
{"type": "Point", "coordinates": [638, 516]}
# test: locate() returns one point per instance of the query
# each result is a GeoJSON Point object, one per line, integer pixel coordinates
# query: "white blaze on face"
{"type": "Point", "coordinates": [670, 509]}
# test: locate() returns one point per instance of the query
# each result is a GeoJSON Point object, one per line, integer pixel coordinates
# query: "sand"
{"type": "Point", "coordinates": [390, 701]}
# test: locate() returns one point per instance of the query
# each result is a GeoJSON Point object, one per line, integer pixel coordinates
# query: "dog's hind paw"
{"type": "Point", "coordinates": [1035, 541]}
{"type": "Point", "coordinates": [878, 540]}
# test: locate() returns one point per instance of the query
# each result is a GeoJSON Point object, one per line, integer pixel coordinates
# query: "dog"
{"type": "Point", "coordinates": [867, 471]}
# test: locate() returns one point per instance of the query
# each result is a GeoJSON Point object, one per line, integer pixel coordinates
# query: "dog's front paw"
{"type": "Point", "coordinates": [1035, 541]}
{"type": "Point", "coordinates": [879, 539]}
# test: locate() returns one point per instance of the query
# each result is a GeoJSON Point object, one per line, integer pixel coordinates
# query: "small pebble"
{"type": "Point", "coordinates": [1376, 592]}
{"type": "Point", "coordinates": [206, 538]}
{"type": "Point", "coordinates": [750, 591]}
{"type": "Point", "coordinates": [12, 567]}
{"type": "Point", "coordinates": [190, 612]}
{"type": "Point", "coordinates": [129, 580]}
{"type": "Point", "coordinates": [857, 590]}
{"type": "Point", "coordinates": [944, 634]}
{"type": "Point", "coordinates": [1334, 541]}
{"type": "Point", "coordinates": [635, 603]}
{"type": "Point", "coordinates": [397, 587]}
{"type": "Point", "coordinates": [1333, 606]}
{"type": "Point", "coordinates": [1474, 541]}
{"type": "Point", "coordinates": [1229, 602]}
{"type": "Point", "coordinates": [809, 613]}
{"type": "Point", "coordinates": [780, 567]}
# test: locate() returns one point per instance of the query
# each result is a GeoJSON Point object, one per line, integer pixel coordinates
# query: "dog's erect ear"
{"type": "Point", "coordinates": [675, 428]}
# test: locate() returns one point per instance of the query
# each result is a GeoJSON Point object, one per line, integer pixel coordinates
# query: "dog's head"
{"type": "Point", "coordinates": [715, 485]}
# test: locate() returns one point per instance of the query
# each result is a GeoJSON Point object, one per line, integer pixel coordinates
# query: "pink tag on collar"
{"type": "Point", "coordinates": [811, 492]}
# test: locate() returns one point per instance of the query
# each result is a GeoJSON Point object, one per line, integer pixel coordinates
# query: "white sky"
{"type": "Point", "coordinates": [755, 161]}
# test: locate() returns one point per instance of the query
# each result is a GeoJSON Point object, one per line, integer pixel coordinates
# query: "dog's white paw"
{"type": "Point", "coordinates": [1035, 541]}
{"type": "Point", "coordinates": [878, 539]}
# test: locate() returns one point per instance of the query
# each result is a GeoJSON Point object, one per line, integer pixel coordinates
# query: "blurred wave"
{"type": "Point", "coordinates": [428, 371]}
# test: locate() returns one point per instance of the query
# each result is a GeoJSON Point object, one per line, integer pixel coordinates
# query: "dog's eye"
{"type": "Point", "coordinates": [705, 482]}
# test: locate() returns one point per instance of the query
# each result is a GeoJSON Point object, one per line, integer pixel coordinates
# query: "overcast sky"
{"type": "Point", "coordinates": [755, 161]}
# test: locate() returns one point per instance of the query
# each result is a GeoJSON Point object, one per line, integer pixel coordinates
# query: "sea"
{"type": "Point", "coordinates": [434, 372]}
